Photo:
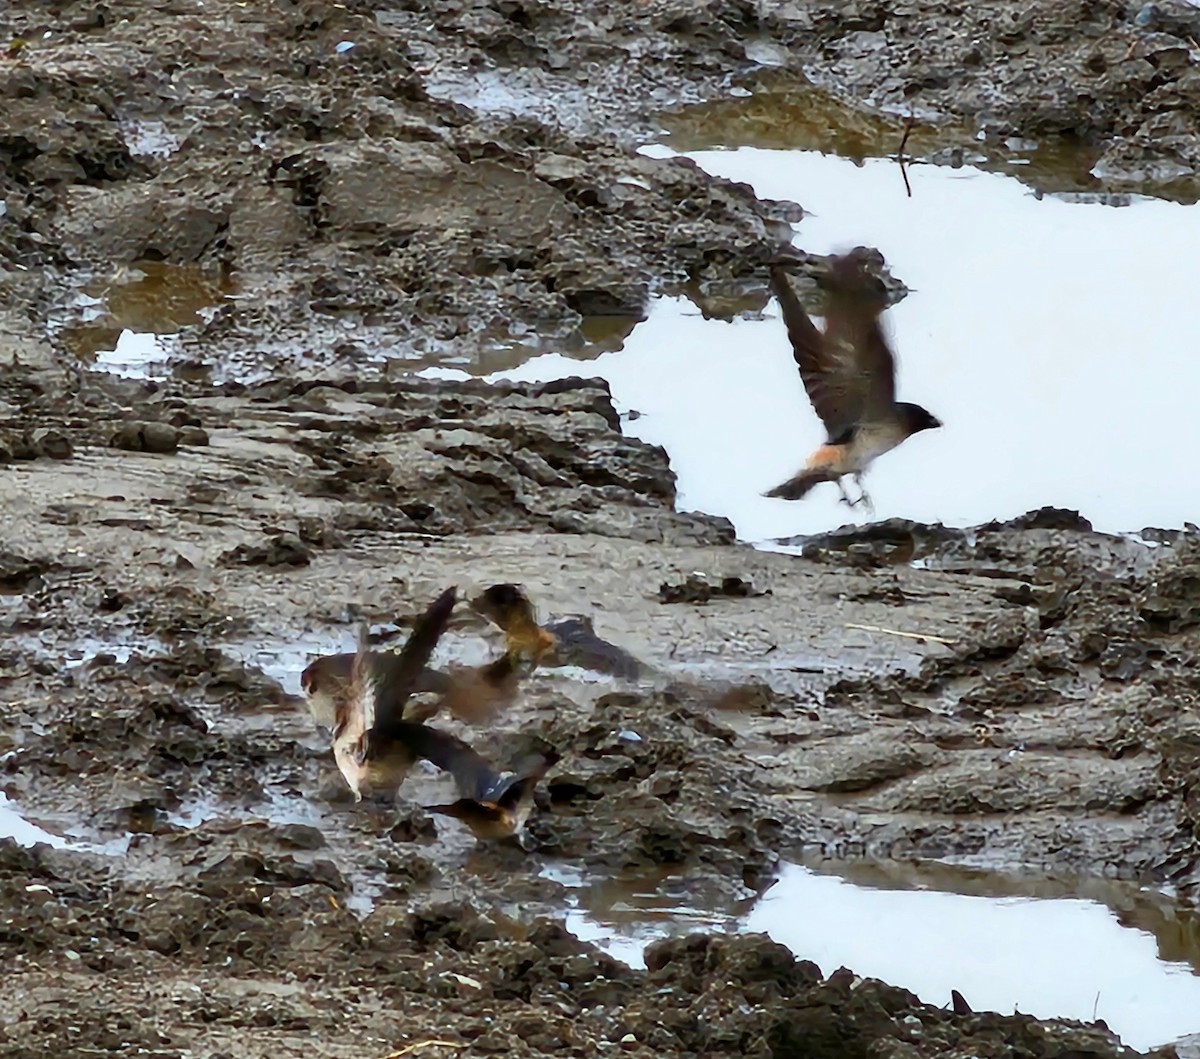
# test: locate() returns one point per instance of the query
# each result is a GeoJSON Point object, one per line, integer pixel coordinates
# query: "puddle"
{"type": "Point", "coordinates": [124, 323]}
{"type": "Point", "coordinates": [1122, 954]}
{"type": "Point", "coordinates": [625, 913]}
{"type": "Point", "coordinates": [147, 138]}
{"type": "Point", "coordinates": [84, 650]}
{"type": "Point", "coordinates": [13, 825]}
{"type": "Point", "coordinates": [278, 809]}
{"type": "Point", "coordinates": [780, 111]}
{"type": "Point", "coordinates": [594, 336]}
{"type": "Point", "coordinates": [26, 833]}
{"type": "Point", "coordinates": [1018, 333]}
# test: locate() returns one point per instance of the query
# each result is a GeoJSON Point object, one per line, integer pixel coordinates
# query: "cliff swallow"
{"type": "Point", "coordinates": [569, 642]}
{"type": "Point", "coordinates": [372, 743]}
{"type": "Point", "coordinates": [509, 608]}
{"type": "Point", "coordinates": [477, 694]}
{"type": "Point", "coordinates": [850, 375]}
{"type": "Point", "coordinates": [326, 679]}
{"type": "Point", "coordinates": [493, 805]}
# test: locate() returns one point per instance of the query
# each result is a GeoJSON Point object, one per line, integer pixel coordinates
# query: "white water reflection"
{"type": "Point", "coordinates": [1053, 958]}
{"type": "Point", "coordinates": [137, 355]}
{"type": "Point", "coordinates": [1052, 338]}
{"type": "Point", "coordinates": [1049, 958]}
{"type": "Point", "coordinates": [13, 825]}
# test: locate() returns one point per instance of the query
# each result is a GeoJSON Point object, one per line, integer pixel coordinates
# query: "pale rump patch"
{"type": "Point", "coordinates": [826, 458]}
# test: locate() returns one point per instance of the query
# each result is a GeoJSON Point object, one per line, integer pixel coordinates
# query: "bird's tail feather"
{"type": "Point", "coordinates": [798, 485]}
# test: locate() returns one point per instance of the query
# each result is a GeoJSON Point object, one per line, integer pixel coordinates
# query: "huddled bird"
{"type": "Point", "coordinates": [849, 372]}
{"type": "Point", "coordinates": [472, 694]}
{"type": "Point", "coordinates": [373, 745]}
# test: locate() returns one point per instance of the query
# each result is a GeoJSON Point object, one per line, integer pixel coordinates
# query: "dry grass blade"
{"type": "Point", "coordinates": [899, 632]}
{"type": "Point", "coordinates": [408, 1049]}
{"type": "Point", "coordinates": [908, 127]}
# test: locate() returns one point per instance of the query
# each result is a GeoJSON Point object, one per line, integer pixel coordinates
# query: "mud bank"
{"type": "Point", "coordinates": [1022, 695]}
{"type": "Point", "coordinates": [429, 183]}
{"type": "Point", "coordinates": [348, 184]}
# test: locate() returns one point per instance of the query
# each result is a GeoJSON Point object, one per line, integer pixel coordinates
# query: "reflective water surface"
{"type": "Point", "coordinates": [123, 321]}
{"type": "Point", "coordinates": [1049, 337]}
{"type": "Point", "coordinates": [1121, 954]}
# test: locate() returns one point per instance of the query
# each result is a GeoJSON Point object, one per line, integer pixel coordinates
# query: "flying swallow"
{"type": "Point", "coordinates": [850, 375]}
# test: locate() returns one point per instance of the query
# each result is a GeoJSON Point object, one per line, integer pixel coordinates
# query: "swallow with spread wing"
{"type": "Point", "coordinates": [373, 745]}
{"type": "Point", "coordinates": [470, 694]}
{"type": "Point", "coordinates": [326, 680]}
{"type": "Point", "coordinates": [850, 375]}
{"type": "Point", "coordinates": [568, 642]}
{"type": "Point", "coordinates": [493, 805]}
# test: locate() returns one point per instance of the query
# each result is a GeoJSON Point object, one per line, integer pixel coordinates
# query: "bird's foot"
{"type": "Point", "coordinates": [863, 496]}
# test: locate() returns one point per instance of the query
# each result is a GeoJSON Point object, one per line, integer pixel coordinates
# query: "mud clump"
{"type": "Point", "coordinates": [446, 972]}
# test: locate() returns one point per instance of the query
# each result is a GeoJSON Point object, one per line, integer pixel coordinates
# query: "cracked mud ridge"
{"type": "Point", "coordinates": [355, 191]}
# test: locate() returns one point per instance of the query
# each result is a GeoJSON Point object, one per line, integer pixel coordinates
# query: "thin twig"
{"type": "Point", "coordinates": [898, 632]}
{"type": "Point", "coordinates": [908, 126]}
{"type": "Point", "coordinates": [431, 1043]}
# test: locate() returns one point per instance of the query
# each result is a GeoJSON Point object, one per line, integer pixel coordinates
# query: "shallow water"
{"type": "Point", "coordinates": [1007, 944]}
{"type": "Point", "coordinates": [124, 323]}
{"type": "Point", "coordinates": [1047, 335]}
{"type": "Point", "coordinates": [13, 825]}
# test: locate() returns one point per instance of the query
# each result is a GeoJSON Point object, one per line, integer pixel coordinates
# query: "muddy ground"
{"type": "Point", "coordinates": [459, 179]}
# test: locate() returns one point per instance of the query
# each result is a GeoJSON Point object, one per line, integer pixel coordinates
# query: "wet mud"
{"type": "Point", "coordinates": [353, 191]}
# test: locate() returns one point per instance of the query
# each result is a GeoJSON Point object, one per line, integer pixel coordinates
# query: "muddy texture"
{"type": "Point", "coordinates": [1047, 721]}
{"type": "Point", "coordinates": [307, 198]}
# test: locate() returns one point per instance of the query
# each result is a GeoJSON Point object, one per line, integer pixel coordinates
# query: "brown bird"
{"type": "Point", "coordinates": [850, 375]}
{"type": "Point", "coordinates": [472, 694]}
{"type": "Point", "coordinates": [372, 743]}
{"type": "Point", "coordinates": [326, 679]}
{"type": "Point", "coordinates": [476, 694]}
{"type": "Point", "coordinates": [493, 805]}
{"type": "Point", "coordinates": [571, 641]}
{"type": "Point", "coordinates": [509, 608]}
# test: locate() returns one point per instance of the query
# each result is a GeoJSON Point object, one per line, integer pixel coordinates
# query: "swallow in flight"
{"type": "Point", "coordinates": [850, 375]}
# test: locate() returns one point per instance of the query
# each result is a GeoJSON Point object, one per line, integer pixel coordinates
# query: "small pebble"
{"type": "Point", "coordinates": [146, 437]}
{"type": "Point", "coordinates": [193, 436]}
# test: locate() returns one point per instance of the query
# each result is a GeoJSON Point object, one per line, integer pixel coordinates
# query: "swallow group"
{"type": "Point", "coordinates": [849, 372]}
{"type": "Point", "coordinates": [364, 698]}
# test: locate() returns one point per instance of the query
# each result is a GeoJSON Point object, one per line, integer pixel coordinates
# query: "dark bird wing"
{"type": "Point", "coordinates": [856, 299]}
{"type": "Point", "coordinates": [397, 676]}
{"type": "Point", "coordinates": [848, 371]}
{"type": "Point", "coordinates": [578, 644]}
{"type": "Point", "coordinates": [473, 776]}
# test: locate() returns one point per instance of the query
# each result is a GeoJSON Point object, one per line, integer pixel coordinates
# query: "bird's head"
{"type": "Point", "coordinates": [311, 677]}
{"type": "Point", "coordinates": [917, 418]}
{"type": "Point", "coordinates": [504, 604]}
